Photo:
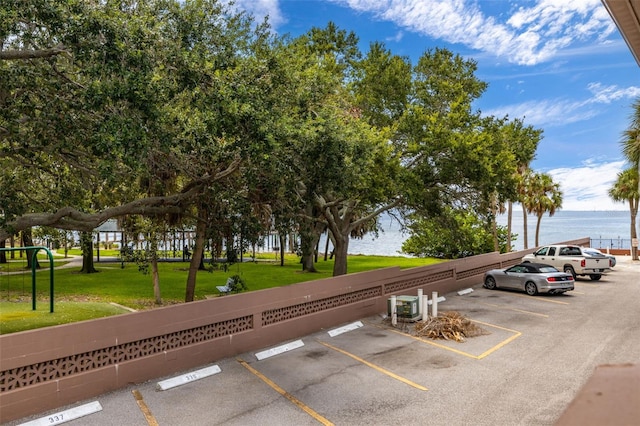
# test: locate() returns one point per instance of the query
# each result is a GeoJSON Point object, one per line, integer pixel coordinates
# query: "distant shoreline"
{"type": "Point", "coordinates": [610, 225]}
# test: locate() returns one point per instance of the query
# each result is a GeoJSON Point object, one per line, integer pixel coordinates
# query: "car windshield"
{"type": "Point", "coordinates": [547, 269]}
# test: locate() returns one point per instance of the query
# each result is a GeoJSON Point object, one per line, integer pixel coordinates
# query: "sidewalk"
{"type": "Point", "coordinates": [626, 261]}
{"type": "Point", "coordinates": [75, 262]}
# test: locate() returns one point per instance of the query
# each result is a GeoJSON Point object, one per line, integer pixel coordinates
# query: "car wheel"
{"type": "Point", "coordinates": [568, 269]}
{"type": "Point", "coordinates": [595, 277]}
{"type": "Point", "coordinates": [490, 283]}
{"type": "Point", "coordinates": [531, 288]}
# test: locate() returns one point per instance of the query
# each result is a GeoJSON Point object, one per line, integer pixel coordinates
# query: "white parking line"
{"type": "Point", "coordinates": [66, 415]}
{"type": "Point", "coordinates": [345, 329]}
{"type": "Point", "coordinates": [189, 377]}
{"type": "Point", "coordinates": [279, 349]}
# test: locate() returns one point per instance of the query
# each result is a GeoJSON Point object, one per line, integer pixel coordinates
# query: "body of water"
{"type": "Point", "coordinates": [605, 228]}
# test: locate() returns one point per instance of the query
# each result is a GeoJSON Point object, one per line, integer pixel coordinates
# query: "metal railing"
{"type": "Point", "coordinates": [612, 243]}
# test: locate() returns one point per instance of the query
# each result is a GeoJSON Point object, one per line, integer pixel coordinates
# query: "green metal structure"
{"type": "Point", "coordinates": [36, 249]}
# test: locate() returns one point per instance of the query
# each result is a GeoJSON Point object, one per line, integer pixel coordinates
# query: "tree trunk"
{"type": "Point", "coordinates": [340, 250]}
{"type": "Point", "coordinates": [66, 245]}
{"type": "Point", "coordinates": [86, 244]}
{"type": "Point", "coordinates": [634, 213]}
{"type": "Point", "coordinates": [27, 241]}
{"type": "Point", "coordinates": [316, 251]}
{"type": "Point", "coordinates": [201, 263]}
{"type": "Point", "coordinates": [154, 269]}
{"type": "Point", "coordinates": [326, 247]}
{"type": "Point", "coordinates": [283, 241]}
{"type": "Point", "coordinates": [509, 220]}
{"type": "Point", "coordinates": [292, 239]}
{"type": "Point", "coordinates": [524, 222]}
{"type": "Point", "coordinates": [538, 229]}
{"type": "Point", "coordinates": [340, 226]}
{"type": "Point", "coordinates": [308, 242]}
{"type": "Point", "coordinates": [494, 223]}
{"type": "Point", "coordinates": [3, 254]}
{"type": "Point", "coordinates": [198, 251]}
{"type": "Point", "coordinates": [637, 204]}
{"type": "Point", "coordinates": [307, 262]}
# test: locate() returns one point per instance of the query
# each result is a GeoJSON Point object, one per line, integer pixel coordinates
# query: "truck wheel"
{"type": "Point", "coordinates": [568, 269]}
{"type": "Point", "coordinates": [595, 277]}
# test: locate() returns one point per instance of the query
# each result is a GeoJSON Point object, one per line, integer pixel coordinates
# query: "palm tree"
{"type": "Point", "coordinates": [626, 189]}
{"type": "Point", "coordinates": [631, 147]}
{"type": "Point", "coordinates": [524, 179]}
{"type": "Point", "coordinates": [543, 196]}
{"type": "Point", "coordinates": [631, 136]}
{"type": "Point", "coordinates": [524, 174]}
{"type": "Point", "coordinates": [524, 142]}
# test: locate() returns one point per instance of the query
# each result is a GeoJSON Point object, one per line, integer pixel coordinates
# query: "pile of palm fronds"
{"type": "Point", "coordinates": [448, 326]}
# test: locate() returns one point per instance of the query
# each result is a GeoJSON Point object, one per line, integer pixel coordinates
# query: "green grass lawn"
{"type": "Point", "coordinates": [83, 296]}
{"type": "Point", "coordinates": [20, 264]}
{"type": "Point", "coordinates": [18, 316]}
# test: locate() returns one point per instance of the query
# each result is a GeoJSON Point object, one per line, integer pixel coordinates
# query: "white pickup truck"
{"type": "Point", "coordinates": [571, 260]}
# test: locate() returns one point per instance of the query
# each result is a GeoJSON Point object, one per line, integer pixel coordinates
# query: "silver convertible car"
{"type": "Point", "coordinates": [533, 278]}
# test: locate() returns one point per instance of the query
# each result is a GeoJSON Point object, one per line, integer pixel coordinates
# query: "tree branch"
{"type": "Point", "coordinates": [12, 55]}
{"type": "Point", "coordinates": [72, 219]}
{"type": "Point", "coordinates": [69, 218]}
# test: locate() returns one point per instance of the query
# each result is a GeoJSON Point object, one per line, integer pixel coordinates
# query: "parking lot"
{"type": "Point", "coordinates": [536, 356]}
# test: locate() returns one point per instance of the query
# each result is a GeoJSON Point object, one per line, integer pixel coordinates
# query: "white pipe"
{"type": "Point", "coordinates": [420, 305]}
{"type": "Point", "coordinates": [394, 313]}
{"type": "Point", "coordinates": [434, 304]}
{"type": "Point", "coordinates": [425, 304]}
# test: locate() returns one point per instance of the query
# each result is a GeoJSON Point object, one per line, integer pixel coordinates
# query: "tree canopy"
{"type": "Point", "coordinates": [186, 112]}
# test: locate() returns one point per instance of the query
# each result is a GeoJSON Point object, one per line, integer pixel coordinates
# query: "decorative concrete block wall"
{"type": "Point", "coordinates": [48, 368]}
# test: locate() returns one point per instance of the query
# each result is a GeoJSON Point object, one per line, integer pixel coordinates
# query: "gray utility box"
{"type": "Point", "coordinates": [406, 307]}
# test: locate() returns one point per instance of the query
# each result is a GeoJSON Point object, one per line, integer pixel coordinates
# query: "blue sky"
{"type": "Point", "coordinates": [561, 65]}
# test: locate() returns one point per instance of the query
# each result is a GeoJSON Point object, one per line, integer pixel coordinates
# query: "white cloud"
{"type": "Point", "coordinates": [550, 112]}
{"type": "Point", "coordinates": [528, 36]}
{"type": "Point", "coordinates": [547, 112]}
{"type": "Point", "coordinates": [396, 38]}
{"type": "Point", "coordinates": [607, 94]}
{"type": "Point", "coordinates": [587, 187]}
{"type": "Point", "coordinates": [261, 8]}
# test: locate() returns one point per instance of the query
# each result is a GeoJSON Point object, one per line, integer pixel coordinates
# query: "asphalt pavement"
{"type": "Point", "coordinates": [536, 355]}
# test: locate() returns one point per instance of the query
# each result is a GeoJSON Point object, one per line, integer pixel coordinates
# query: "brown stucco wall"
{"type": "Point", "coordinates": [48, 368]}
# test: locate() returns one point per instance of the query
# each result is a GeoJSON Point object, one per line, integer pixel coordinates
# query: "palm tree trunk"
{"type": "Point", "coordinates": [633, 218]}
{"type": "Point", "coordinates": [538, 230]}
{"type": "Point", "coordinates": [524, 222]}
{"type": "Point", "coordinates": [509, 219]}
{"type": "Point", "coordinates": [633, 207]}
